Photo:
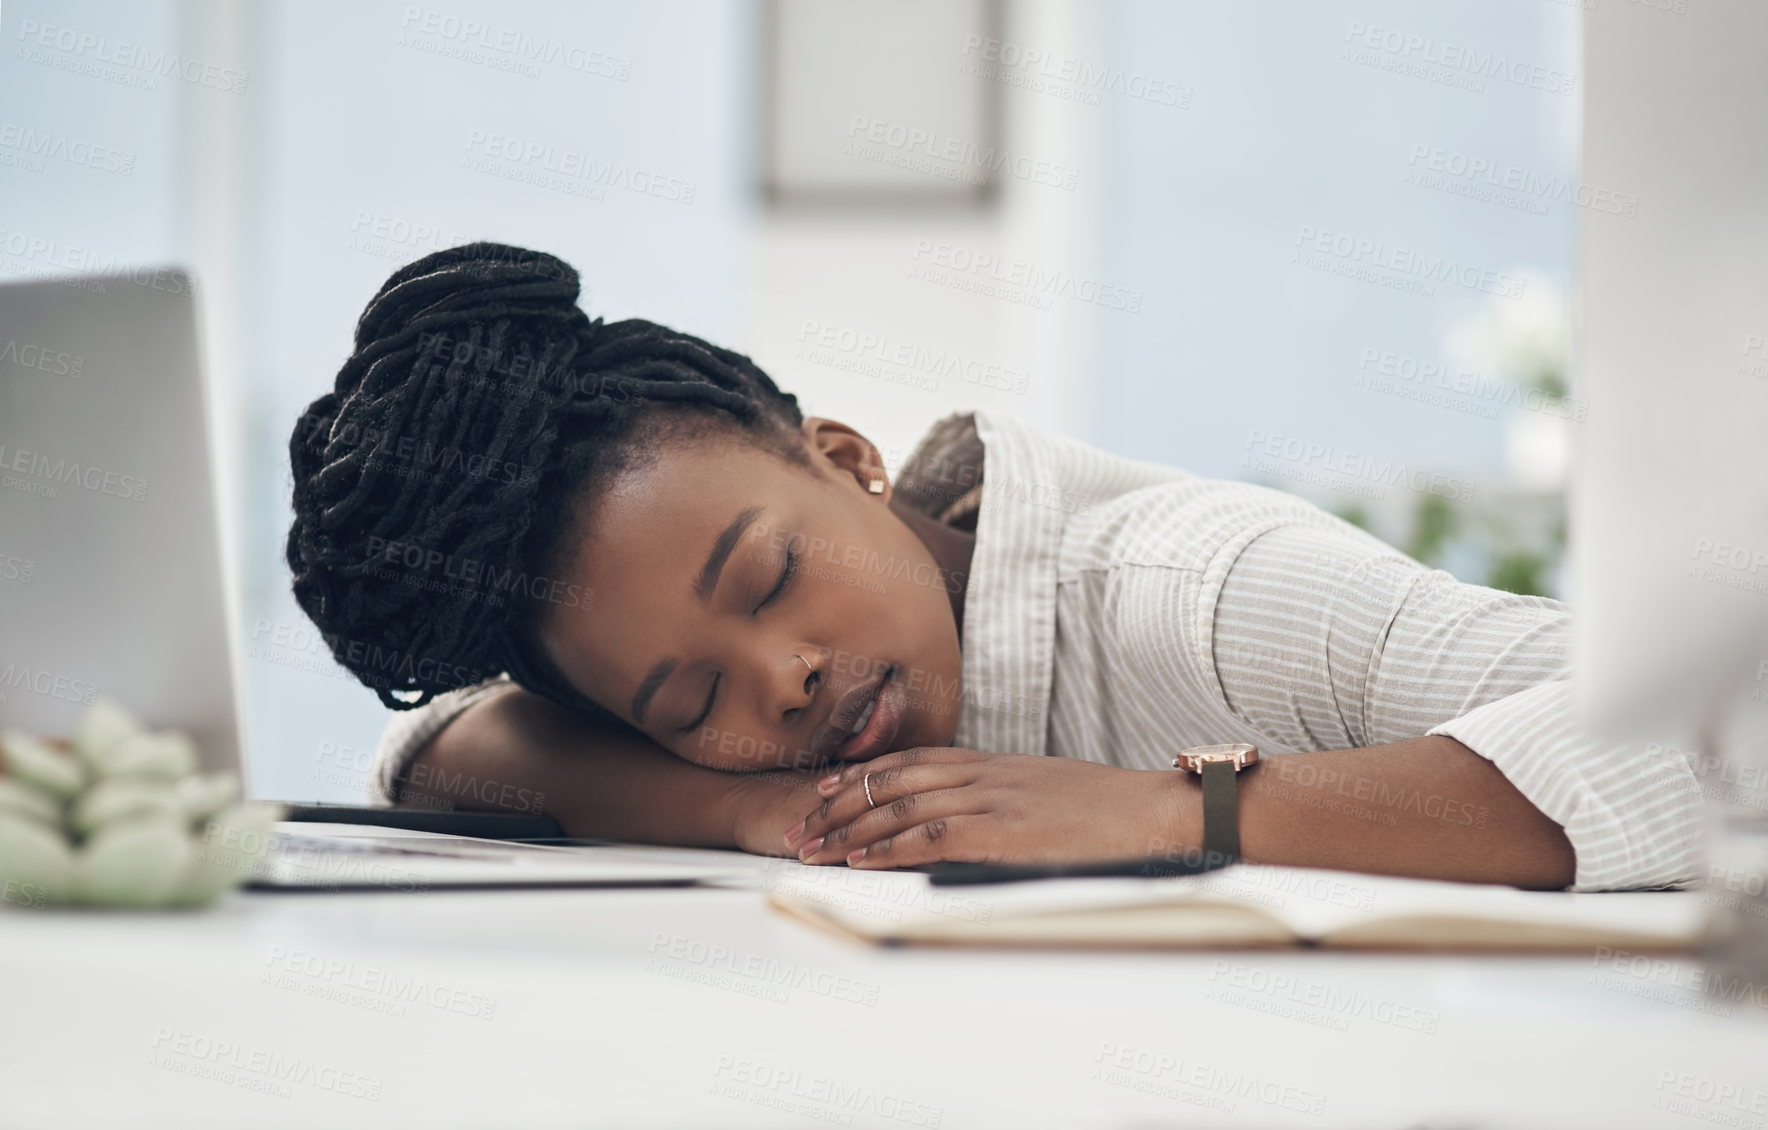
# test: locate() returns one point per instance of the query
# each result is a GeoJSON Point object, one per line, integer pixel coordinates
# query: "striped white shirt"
{"type": "Point", "coordinates": [1120, 611]}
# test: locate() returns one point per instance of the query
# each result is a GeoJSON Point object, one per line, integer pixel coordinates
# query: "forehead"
{"type": "Point", "coordinates": [676, 500]}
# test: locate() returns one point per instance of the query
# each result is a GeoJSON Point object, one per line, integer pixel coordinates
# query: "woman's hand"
{"type": "Point", "coordinates": [768, 803]}
{"type": "Point", "coordinates": [935, 803]}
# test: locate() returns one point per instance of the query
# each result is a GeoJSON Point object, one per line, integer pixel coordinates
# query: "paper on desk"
{"type": "Point", "coordinates": [1313, 903]}
{"type": "Point", "coordinates": [1320, 903]}
{"type": "Point", "coordinates": [317, 854]}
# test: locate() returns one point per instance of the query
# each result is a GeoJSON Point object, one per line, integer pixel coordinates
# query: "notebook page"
{"type": "Point", "coordinates": [1351, 900]}
{"type": "Point", "coordinates": [904, 899]}
{"type": "Point", "coordinates": [1312, 902]}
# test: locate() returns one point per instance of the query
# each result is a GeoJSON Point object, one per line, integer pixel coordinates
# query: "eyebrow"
{"type": "Point", "coordinates": [721, 552]}
{"type": "Point", "coordinates": [703, 588]}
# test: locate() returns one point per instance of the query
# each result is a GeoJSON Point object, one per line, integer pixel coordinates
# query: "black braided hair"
{"type": "Point", "coordinates": [461, 439]}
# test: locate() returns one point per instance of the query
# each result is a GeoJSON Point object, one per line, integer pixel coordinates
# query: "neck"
{"type": "Point", "coordinates": [951, 550]}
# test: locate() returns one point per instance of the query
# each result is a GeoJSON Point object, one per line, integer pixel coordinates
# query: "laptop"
{"type": "Point", "coordinates": [113, 583]}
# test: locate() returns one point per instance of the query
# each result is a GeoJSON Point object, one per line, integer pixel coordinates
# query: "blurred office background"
{"type": "Point", "coordinates": [1321, 245]}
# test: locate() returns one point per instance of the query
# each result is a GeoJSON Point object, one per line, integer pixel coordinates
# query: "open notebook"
{"type": "Point", "coordinates": [1246, 905]}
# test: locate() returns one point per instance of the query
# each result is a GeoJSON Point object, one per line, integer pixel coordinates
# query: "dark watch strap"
{"type": "Point", "coordinates": [1221, 811]}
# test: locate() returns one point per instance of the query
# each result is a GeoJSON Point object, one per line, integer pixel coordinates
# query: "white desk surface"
{"type": "Point", "coordinates": [566, 1008]}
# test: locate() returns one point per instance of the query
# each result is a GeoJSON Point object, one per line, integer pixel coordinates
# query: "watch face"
{"type": "Point", "coordinates": [1194, 758]}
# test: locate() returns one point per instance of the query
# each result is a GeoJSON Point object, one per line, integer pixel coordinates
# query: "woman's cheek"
{"type": "Point", "coordinates": [724, 749]}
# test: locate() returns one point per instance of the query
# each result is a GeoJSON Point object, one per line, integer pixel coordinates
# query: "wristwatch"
{"type": "Point", "coordinates": [1218, 766]}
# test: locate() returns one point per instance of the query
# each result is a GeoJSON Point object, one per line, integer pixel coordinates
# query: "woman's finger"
{"type": "Point", "coordinates": [892, 819]}
{"type": "Point", "coordinates": [952, 838]}
{"type": "Point", "coordinates": [887, 786]}
{"type": "Point", "coordinates": [920, 755]}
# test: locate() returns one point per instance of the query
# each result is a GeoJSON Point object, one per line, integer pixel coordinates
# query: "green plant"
{"type": "Point", "coordinates": [120, 817]}
{"type": "Point", "coordinates": [1519, 571]}
{"type": "Point", "coordinates": [1432, 527]}
{"type": "Point", "coordinates": [1355, 513]}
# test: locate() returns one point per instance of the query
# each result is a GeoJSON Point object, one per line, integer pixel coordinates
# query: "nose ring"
{"type": "Point", "coordinates": [804, 661]}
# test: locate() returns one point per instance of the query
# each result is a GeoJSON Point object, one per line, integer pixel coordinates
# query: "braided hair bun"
{"type": "Point", "coordinates": [479, 409]}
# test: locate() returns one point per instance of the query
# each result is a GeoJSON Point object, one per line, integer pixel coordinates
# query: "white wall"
{"type": "Point", "coordinates": [1288, 129]}
{"type": "Point", "coordinates": [848, 277]}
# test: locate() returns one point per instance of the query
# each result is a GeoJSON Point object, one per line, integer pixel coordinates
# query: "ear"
{"type": "Point", "coordinates": [848, 454]}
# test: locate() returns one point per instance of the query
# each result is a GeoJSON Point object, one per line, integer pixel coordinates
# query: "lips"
{"type": "Point", "coordinates": [879, 703]}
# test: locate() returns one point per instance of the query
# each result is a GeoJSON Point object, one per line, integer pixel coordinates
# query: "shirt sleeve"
{"type": "Point", "coordinates": [1322, 637]}
{"type": "Point", "coordinates": [409, 730]}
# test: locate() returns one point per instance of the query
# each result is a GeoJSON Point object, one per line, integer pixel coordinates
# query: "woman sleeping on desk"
{"type": "Point", "coordinates": [612, 571]}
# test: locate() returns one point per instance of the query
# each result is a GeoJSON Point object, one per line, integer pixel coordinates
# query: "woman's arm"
{"type": "Point", "coordinates": [1428, 808]}
{"type": "Point", "coordinates": [1323, 639]}
{"type": "Point", "coordinates": [514, 751]}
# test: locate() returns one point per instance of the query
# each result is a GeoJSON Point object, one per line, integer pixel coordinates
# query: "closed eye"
{"type": "Point", "coordinates": [711, 697]}
{"type": "Point", "coordinates": [786, 573]}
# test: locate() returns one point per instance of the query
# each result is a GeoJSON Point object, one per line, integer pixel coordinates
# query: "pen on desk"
{"type": "Point", "coordinates": [967, 874]}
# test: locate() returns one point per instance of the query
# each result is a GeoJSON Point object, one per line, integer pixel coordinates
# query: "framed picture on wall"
{"type": "Point", "coordinates": [867, 105]}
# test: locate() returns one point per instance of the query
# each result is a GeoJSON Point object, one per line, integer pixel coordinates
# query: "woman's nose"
{"type": "Point", "coordinates": [797, 684]}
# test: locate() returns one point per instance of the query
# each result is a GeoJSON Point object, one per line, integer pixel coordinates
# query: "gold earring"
{"type": "Point", "coordinates": [876, 486]}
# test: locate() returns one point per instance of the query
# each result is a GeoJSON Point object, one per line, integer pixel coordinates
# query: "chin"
{"type": "Point", "coordinates": [931, 730]}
